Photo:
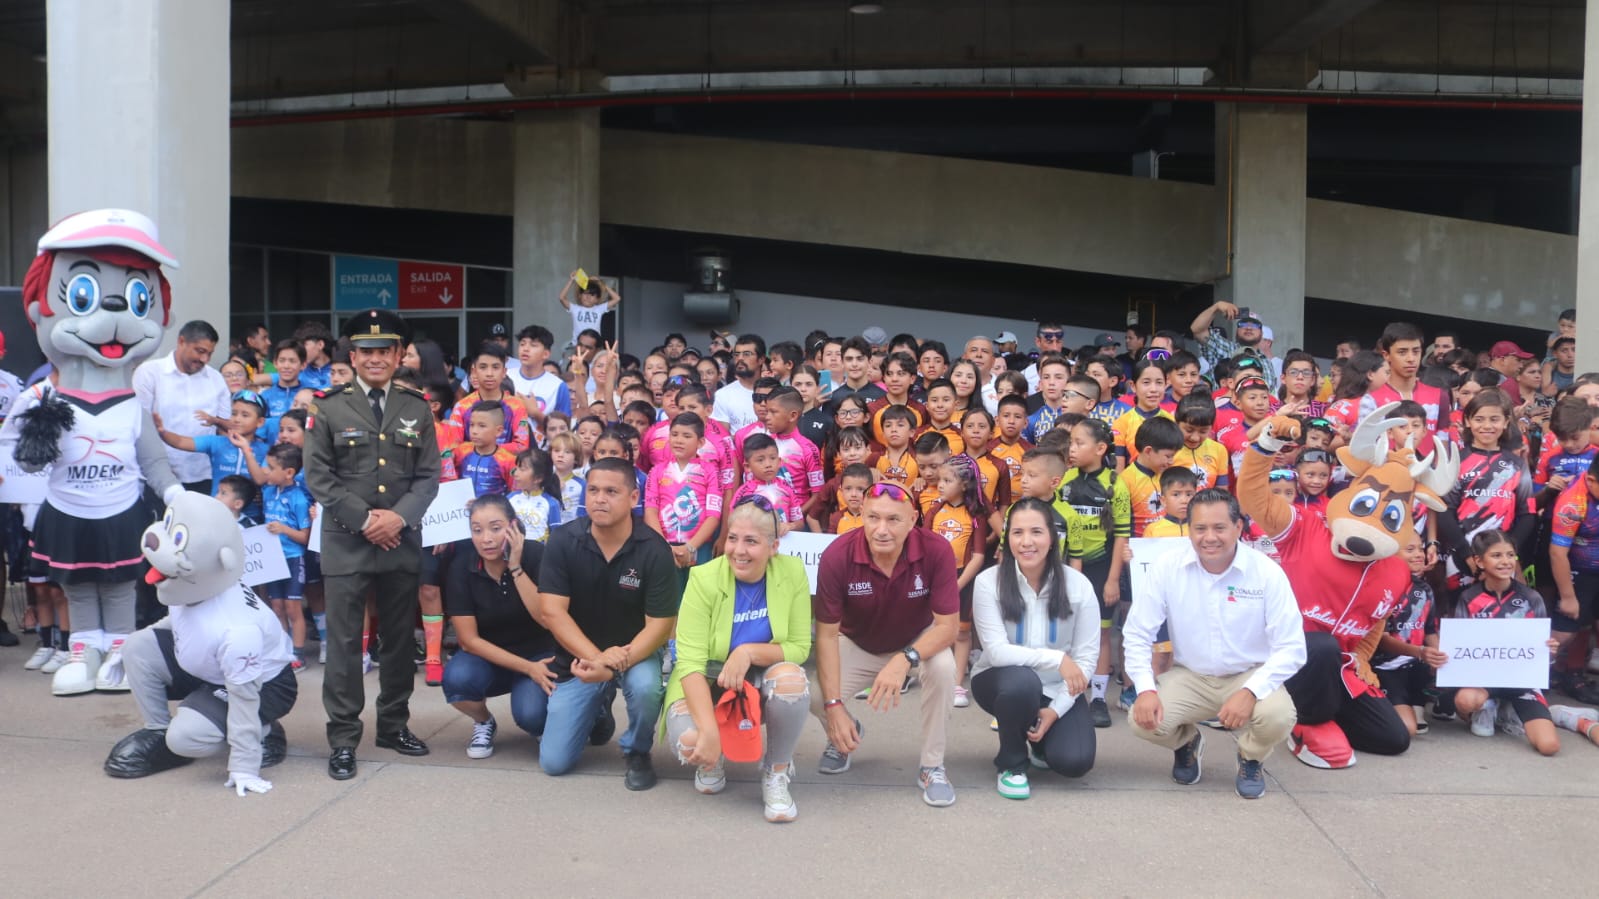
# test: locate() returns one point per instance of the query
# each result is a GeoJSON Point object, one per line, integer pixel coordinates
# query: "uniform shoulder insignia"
{"type": "Point", "coordinates": [334, 390]}
{"type": "Point", "coordinates": [406, 388]}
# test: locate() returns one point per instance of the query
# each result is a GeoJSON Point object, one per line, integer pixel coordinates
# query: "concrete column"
{"type": "Point", "coordinates": [138, 119]}
{"type": "Point", "coordinates": [1260, 181]}
{"type": "Point", "coordinates": [557, 211]}
{"type": "Point", "coordinates": [1588, 214]}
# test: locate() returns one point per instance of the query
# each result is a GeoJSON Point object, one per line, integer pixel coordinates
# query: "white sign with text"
{"type": "Point", "coordinates": [1494, 652]}
{"type": "Point", "coordinates": [446, 520]}
{"type": "Point", "coordinates": [263, 557]}
{"type": "Point", "coordinates": [806, 547]}
{"type": "Point", "coordinates": [20, 486]}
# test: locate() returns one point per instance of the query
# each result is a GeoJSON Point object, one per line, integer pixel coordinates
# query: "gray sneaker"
{"type": "Point", "coordinates": [1251, 782]}
{"type": "Point", "coordinates": [835, 760]}
{"type": "Point", "coordinates": [937, 791]}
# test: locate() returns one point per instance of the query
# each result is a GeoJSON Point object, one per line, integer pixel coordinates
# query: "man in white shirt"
{"type": "Point", "coordinates": [1236, 636]}
{"type": "Point", "coordinates": [735, 402]}
{"type": "Point", "coordinates": [190, 396]}
{"type": "Point", "coordinates": [532, 379]}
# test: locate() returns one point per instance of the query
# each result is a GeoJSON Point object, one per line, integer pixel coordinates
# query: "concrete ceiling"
{"type": "Point", "coordinates": [288, 48]}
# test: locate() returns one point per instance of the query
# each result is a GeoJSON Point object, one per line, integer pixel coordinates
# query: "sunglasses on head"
{"type": "Point", "coordinates": [1284, 474]}
{"type": "Point", "coordinates": [679, 381]}
{"type": "Point", "coordinates": [1319, 422]}
{"type": "Point", "coordinates": [1250, 384]}
{"type": "Point", "coordinates": [762, 503]}
{"type": "Point", "coordinates": [891, 490]}
{"type": "Point", "coordinates": [249, 396]}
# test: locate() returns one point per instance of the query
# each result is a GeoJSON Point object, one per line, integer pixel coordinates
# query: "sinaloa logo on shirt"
{"type": "Point", "coordinates": [630, 580]}
{"type": "Point", "coordinates": [918, 587]}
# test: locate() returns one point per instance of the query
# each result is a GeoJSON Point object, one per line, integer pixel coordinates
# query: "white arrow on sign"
{"type": "Point", "coordinates": [446, 296]}
{"type": "Point", "coordinates": [384, 295]}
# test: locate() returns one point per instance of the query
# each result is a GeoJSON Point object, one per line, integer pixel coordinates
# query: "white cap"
{"type": "Point", "coordinates": [1265, 332]}
{"type": "Point", "coordinates": [1005, 337]}
{"type": "Point", "coordinates": [108, 228]}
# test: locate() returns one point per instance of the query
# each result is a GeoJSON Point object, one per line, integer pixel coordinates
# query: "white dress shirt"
{"type": "Point", "coordinates": [1220, 624]}
{"type": "Point", "coordinates": [1037, 642]}
{"type": "Point", "coordinates": [164, 390]}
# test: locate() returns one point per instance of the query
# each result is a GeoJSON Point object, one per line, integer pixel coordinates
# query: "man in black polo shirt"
{"type": "Point", "coordinates": [609, 595]}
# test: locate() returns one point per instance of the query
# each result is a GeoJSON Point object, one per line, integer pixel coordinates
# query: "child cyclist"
{"type": "Point", "coordinates": [1497, 594]}
{"type": "Point", "coordinates": [1407, 655]}
{"type": "Point", "coordinates": [960, 516]}
{"type": "Point", "coordinates": [1099, 517]}
{"type": "Point", "coordinates": [683, 499]}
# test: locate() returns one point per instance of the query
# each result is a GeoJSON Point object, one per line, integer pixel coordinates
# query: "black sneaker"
{"type": "Point", "coordinates": [1185, 761]}
{"type": "Point", "coordinates": [1251, 783]}
{"type": "Point", "coordinates": [1101, 713]}
{"type": "Point", "coordinates": [640, 772]}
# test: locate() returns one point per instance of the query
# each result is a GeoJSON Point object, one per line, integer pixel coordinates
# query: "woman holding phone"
{"type": "Point", "coordinates": [490, 598]}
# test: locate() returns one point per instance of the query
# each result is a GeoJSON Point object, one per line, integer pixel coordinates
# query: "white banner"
{"type": "Point", "coordinates": [446, 520]}
{"type": "Point", "coordinates": [806, 547]}
{"type": "Point", "coordinates": [20, 486]}
{"type": "Point", "coordinates": [1494, 652]}
{"type": "Point", "coordinates": [317, 514]}
{"type": "Point", "coordinates": [263, 557]}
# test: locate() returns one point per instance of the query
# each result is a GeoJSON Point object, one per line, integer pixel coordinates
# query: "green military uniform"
{"type": "Point", "coordinates": [353, 464]}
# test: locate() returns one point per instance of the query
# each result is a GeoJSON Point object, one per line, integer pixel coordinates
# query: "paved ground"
{"type": "Point", "coordinates": [445, 825]}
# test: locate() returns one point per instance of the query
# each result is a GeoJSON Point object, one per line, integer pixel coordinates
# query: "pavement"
{"type": "Point", "coordinates": [447, 825]}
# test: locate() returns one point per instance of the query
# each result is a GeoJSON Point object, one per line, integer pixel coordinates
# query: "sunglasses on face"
{"type": "Point", "coordinates": [679, 381]}
{"type": "Point", "coordinates": [1316, 455]}
{"type": "Point", "coordinates": [890, 490]}
{"type": "Point", "coordinates": [1081, 396]}
{"type": "Point", "coordinates": [759, 397]}
{"type": "Point", "coordinates": [1051, 335]}
{"type": "Point", "coordinates": [1158, 354]}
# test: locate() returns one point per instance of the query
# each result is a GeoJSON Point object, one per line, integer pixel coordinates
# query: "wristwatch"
{"type": "Point", "coordinates": [914, 657]}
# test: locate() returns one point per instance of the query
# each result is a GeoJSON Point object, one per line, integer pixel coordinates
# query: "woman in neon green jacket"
{"type": "Point", "coordinates": [746, 615]}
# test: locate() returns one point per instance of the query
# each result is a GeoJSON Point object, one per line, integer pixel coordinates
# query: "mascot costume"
{"type": "Point", "coordinates": [1347, 576]}
{"type": "Point", "coordinates": [221, 652]}
{"type": "Point", "coordinates": [99, 302]}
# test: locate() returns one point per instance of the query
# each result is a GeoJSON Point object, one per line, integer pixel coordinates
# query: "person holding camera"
{"type": "Point", "coordinates": [491, 599]}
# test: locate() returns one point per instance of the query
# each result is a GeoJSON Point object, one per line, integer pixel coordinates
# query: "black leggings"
{"type": "Point", "coordinates": [1014, 695]}
{"type": "Point", "coordinates": [1319, 694]}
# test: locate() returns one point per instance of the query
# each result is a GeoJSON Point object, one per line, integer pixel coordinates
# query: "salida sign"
{"type": "Point", "coordinates": [431, 285]}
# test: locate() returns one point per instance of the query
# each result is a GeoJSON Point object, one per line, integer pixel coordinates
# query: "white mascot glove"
{"type": "Point", "coordinates": [244, 784]}
{"type": "Point", "coordinates": [1269, 441]}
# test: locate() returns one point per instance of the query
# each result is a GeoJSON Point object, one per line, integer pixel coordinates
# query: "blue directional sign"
{"type": "Point", "coordinates": [362, 282]}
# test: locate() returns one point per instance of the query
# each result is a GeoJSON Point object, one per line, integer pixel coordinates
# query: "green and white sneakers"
{"type": "Point", "coordinates": [1013, 785]}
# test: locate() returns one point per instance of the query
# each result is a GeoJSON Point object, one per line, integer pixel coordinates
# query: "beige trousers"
{"type": "Point", "coordinates": [1187, 698]}
{"type": "Point", "coordinates": [858, 668]}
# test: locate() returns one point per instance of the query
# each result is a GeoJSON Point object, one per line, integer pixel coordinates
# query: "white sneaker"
{"type": "Point", "coordinates": [53, 664]}
{"type": "Point", "coordinates": [1482, 720]}
{"type": "Point", "coordinates": [78, 674]}
{"type": "Point", "coordinates": [1570, 717]}
{"type": "Point", "coordinates": [963, 697]}
{"type": "Point", "coordinates": [112, 677]}
{"type": "Point", "coordinates": [482, 744]}
{"type": "Point", "coordinates": [39, 657]}
{"type": "Point", "coordinates": [366, 663]}
{"type": "Point", "coordinates": [779, 804]}
{"type": "Point", "coordinates": [1510, 722]}
{"type": "Point", "coordinates": [710, 781]}
{"type": "Point", "coordinates": [322, 653]}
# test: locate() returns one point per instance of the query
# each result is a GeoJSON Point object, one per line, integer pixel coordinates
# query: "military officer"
{"type": "Point", "coordinates": [372, 461]}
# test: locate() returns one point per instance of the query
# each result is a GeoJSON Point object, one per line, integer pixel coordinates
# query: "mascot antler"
{"type": "Point", "coordinates": [1368, 445]}
{"type": "Point", "coordinates": [1437, 474]}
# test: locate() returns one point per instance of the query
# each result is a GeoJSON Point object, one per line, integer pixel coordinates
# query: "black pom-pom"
{"type": "Point", "coordinates": [42, 427]}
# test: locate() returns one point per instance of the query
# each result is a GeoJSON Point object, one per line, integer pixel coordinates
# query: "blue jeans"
{"type": "Point", "coordinates": [575, 706]}
{"type": "Point", "coordinates": [470, 678]}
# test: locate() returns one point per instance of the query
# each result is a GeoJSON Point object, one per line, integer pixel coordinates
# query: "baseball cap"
{"type": "Point", "coordinates": [1248, 317]}
{"type": "Point", "coordinates": [1265, 333]}
{"type": "Point", "coordinates": [1105, 340]}
{"type": "Point", "coordinates": [1508, 348]}
{"type": "Point", "coordinates": [738, 721]}
{"type": "Point", "coordinates": [875, 335]}
{"type": "Point", "coordinates": [1005, 337]}
{"type": "Point", "coordinates": [108, 228]}
{"type": "Point", "coordinates": [498, 330]}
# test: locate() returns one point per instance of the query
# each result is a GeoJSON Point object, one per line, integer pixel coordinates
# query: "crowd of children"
{"type": "Point", "coordinates": [1116, 445]}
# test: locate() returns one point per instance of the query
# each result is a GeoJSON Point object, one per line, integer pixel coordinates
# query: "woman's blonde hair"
{"type": "Point", "coordinates": [764, 519]}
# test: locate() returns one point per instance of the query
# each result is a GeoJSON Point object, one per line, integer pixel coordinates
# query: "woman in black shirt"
{"type": "Point", "coordinates": [816, 423]}
{"type": "Point", "coordinates": [490, 597]}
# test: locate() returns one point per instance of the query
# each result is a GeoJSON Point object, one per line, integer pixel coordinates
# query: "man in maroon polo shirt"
{"type": "Point", "coordinates": [887, 605]}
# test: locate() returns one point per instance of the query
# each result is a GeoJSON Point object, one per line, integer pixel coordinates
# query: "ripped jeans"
{"type": "Point", "coordinates": [785, 704]}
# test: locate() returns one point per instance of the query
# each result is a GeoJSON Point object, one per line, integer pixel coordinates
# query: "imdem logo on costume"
{"type": "Point", "coordinates": [630, 579]}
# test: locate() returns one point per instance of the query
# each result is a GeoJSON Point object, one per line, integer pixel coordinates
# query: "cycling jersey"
{"type": "Point", "coordinates": [1082, 501]}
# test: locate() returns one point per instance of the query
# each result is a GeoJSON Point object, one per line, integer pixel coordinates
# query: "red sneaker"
{"type": "Point", "coordinates": [1321, 745]}
{"type": "Point", "coordinates": [434, 673]}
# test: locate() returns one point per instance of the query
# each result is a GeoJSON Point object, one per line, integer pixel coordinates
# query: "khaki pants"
{"type": "Point", "coordinates": [1187, 698]}
{"type": "Point", "coordinates": [858, 668]}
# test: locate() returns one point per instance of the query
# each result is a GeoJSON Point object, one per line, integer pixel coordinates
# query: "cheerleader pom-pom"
{"type": "Point", "coordinates": [42, 427]}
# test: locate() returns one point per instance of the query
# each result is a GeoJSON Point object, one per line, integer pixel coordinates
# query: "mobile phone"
{"type": "Point", "coordinates": [1544, 400]}
{"type": "Point", "coordinates": [506, 552]}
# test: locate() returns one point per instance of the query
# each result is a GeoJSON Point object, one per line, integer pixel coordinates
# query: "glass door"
{"type": "Point", "coordinates": [443, 328]}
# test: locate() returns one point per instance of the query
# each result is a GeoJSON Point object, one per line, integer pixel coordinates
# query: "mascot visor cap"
{"type": "Point", "coordinates": [108, 228]}
{"type": "Point", "coordinates": [375, 329]}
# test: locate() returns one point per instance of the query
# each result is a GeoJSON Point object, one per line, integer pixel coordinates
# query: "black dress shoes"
{"type": "Point", "coordinates": [274, 745]}
{"type": "Point", "coordinates": [341, 764]}
{"type": "Point", "coordinates": [404, 742]}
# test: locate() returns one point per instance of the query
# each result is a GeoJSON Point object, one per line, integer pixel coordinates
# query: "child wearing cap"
{"type": "Point", "coordinates": [226, 458]}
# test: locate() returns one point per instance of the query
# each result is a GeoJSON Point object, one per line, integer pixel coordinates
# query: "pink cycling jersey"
{"type": "Point", "coordinates": [684, 497]}
{"type": "Point", "coordinates": [777, 492]}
